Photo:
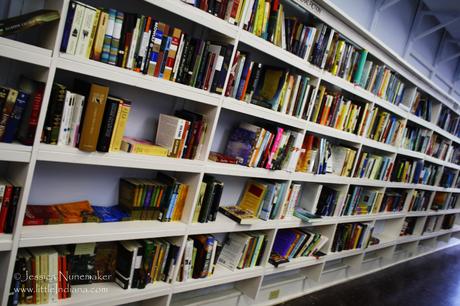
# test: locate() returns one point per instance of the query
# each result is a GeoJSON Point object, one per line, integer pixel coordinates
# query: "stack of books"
{"type": "Point", "coordinates": [160, 199]}
{"type": "Point", "coordinates": [416, 139]}
{"type": "Point", "coordinates": [9, 201]}
{"type": "Point", "coordinates": [268, 147]}
{"type": "Point", "coordinates": [336, 111]}
{"type": "Point", "coordinates": [19, 110]}
{"type": "Point", "coordinates": [274, 88]}
{"type": "Point", "coordinates": [231, 11]}
{"type": "Point", "coordinates": [208, 199]}
{"type": "Point", "coordinates": [361, 201]}
{"type": "Point", "coordinates": [145, 45]}
{"type": "Point", "coordinates": [62, 213]}
{"type": "Point", "coordinates": [420, 200]}
{"type": "Point", "coordinates": [393, 201]}
{"type": "Point", "coordinates": [350, 236]}
{"type": "Point", "coordinates": [200, 257]}
{"type": "Point", "coordinates": [264, 200]}
{"type": "Point", "coordinates": [295, 243]}
{"type": "Point", "coordinates": [373, 166]}
{"type": "Point", "coordinates": [320, 156]}
{"type": "Point", "coordinates": [242, 250]}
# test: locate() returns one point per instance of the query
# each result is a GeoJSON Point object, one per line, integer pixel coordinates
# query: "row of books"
{"type": "Point", "coordinates": [200, 257]}
{"type": "Point", "coordinates": [143, 44]}
{"type": "Point", "coordinates": [182, 135]}
{"type": "Point", "coordinates": [274, 88]}
{"type": "Point", "coordinates": [408, 226]}
{"type": "Point", "coordinates": [296, 243]}
{"type": "Point", "coordinates": [231, 11]}
{"type": "Point", "coordinates": [320, 156]}
{"type": "Point", "coordinates": [352, 236]}
{"type": "Point", "coordinates": [268, 147]}
{"type": "Point", "coordinates": [420, 200]}
{"type": "Point", "coordinates": [162, 198]}
{"type": "Point", "coordinates": [447, 178]}
{"type": "Point", "coordinates": [393, 201]}
{"type": "Point", "coordinates": [243, 250]}
{"type": "Point", "coordinates": [361, 201]}
{"type": "Point", "coordinates": [439, 147]}
{"type": "Point", "coordinates": [263, 200]}
{"type": "Point", "coordinates": [373, 166]}
{"type": "Point", "coordinates": [440, 201]}
{"type": "Point", "coordinates": [329, 199]}
{"type": "Point", "coordinates": [422, 106]}
{"type": "Point", "coordinates": [336, 111]}
{"type": "Point", "coordinates": [449, 121]}
{"type": "Point", "coordinates": [407, 171]}
{"type": "Point", "coordinates": [19, 110]}
{"type": "Point", "coordinates": [416, 139]}
{"type": "Point", "coordinates": [9, 202]}
{"type": "Point", "coordinates": [383, 126]}
{"type": "Point", "coordinates": [86, 117]}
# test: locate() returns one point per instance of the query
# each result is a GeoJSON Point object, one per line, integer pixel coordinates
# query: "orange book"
{"type": "Point", "coordinates": [178, 209]}
{"type": "Point", "coordinates": [307, 146]}
{"type": "Point", "coordinates": [243, 93]}
{"type": "Point", "coordinates": [76, 212]}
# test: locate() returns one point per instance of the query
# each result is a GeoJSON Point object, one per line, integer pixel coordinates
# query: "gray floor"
{"type": "Point", "coordinates": [432, 280]}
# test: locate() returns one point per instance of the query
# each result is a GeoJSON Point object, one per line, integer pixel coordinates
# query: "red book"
{"type": "Point", "coordinates": [42, 214]}
{"type": "Point", "coordinates": [7, 196]}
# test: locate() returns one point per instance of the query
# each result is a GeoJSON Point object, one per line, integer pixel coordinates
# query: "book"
{"type": "Point", "coordinates": [27, 21]}
{"type": "Point", "coordinates": [141, 146]}
{"type": "Point", "coordinates": [242, 216]}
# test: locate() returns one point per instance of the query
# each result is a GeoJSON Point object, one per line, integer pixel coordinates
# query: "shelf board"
{"type": "Point", "coordinates": [15, 152]}
{"type": "Point", "coordinates": [263, 113]}
{"type": "Point", "coordinates": [328, 131]}
{"type": "Point", "coordinates": [243, 171]}
{"type": "Point", "coordinates": [296, 263]}
{"type": "Point", "coordinates": [55, 234]}
{"type": "Point", "coordinates": [132, 78]}
{"type": "Point", "coordinates": [395, 109]}
{"type": "Point", "coordinates": [27, 53]}
{"type": "Point", "coordinates": [68, 154]}
{"type": "Point", "coordinates": [111, 294]}
{"type": "Point", "coordinates": [198, 16]}
{"type": "Point", "coordinates": [379, 145]}
{"type": "Point", "coordinates": [220, 276]}
{"type": "Point", "coordinates": [348, 86]}
{"type": "Point", "coordinates": [278, 53]}
{"type": "Point", "coordinates": [224, 224]}
{"type": "Point", "coordinates": [411, 153]}
{"type": "Point", "coordinates": [6, 242]}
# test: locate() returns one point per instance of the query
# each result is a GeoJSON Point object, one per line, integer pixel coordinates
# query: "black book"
{"type": "Point", "coordinates": [12, 211]}
{"type": "Point", "coordinates": [82, 88]}
{"type": "Point", "coordinates": [218, 189]}
{"type": "Point", "coordinates": [129, 22]}
{"type": "Point", "coordinates": [54, 114]}
{"type": "Point", "coordinates": [108, 124]}
{"type": "Point", "coordinates": [207, 199]}
{"type": "Point", "coordinates": [24, 22]}
{"type": "Point", "coordinates": [138, 279]}
{"type": "Point", "coordinates": [126, 259]}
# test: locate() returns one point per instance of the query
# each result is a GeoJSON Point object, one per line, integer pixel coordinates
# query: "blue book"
{"type": "Point", "coordinates": [68, 26]}
{"type": "Point", "coordinates": [15, 117]}
{"type": "Point", "coordinates": [105, 55]}
{"type": "Point", "coordinates": [110, 214]}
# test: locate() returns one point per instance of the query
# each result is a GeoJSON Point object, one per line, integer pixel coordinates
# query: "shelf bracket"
{"type": "Point", "coordinates": [449, 58]}
{"type": "Point", "coordinates": [387, 4]}
{"type": "Point", "coordinates": [439, 51]}
{"type": "Point", "coordinates": [457, 73]}
{"type": "Point", "coordinates": [436, 27]}
{"type": "Point", "coordinates": [380, 6]}
{"type": "Point", "coordinates": [415, 22]}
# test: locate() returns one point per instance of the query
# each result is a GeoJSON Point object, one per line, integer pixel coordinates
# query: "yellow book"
{"type": "Point", "coordinates": [179, 207]}
{"type": "Point", "coordinates": [363, 119]}
{"type": "Point", "coordinates": [199, 202]}
{"type": "Point", "coordinates": [338, 55]}
{"type": "Point", "coordinates": [371, 125]}
{"type": "Point", "coordinates": [319, 100]}
{"type": "Point", "coordinates": [239, 12]}
{"type": "Point", "coordinates": [259, 18]}
{"type": "Point", "coordinates": [351, 162]}
{"type": "Point", "coordinates": [93, 33]}
{"type": "Point", "coordinates": [119, 130]}
{"type": "Point", "coordinates": [139, 146]}
{"type": "Point", "coordinates": [253, 197]}
{"type": "Point", "coordinates": [355, 243]}
{"type": "Point", "coordinates": [381, 126]}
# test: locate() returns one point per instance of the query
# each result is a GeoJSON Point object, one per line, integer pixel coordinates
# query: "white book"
{"type": "Point", "coordinates": [86, 30]}
{"type": "Point", "coordinates": [239, 71]}
{"type": "Point", "coordinates": [294, 95]}
{"type": "Point", "coordinates": [65, 121]}
{"type": "Point", "coordinates": [218, 60]}
{"type": "Point", "coordinates": [328, 46]}
{"type": "Point", "coordinates": [232, 250]}
{"type": "Point", "coordinates": [213, 256]}
{"type": "Point", "coordinates": [132, 47]}
{"type": "Point", "coordinates": [169, 131]}
{"type": "Point", "coordinates": [75, 29]}
{"type": "Point", "coordinates": [178, 57]}
{"type": "Point", "coordinates": [188, 253]}
{"type": "Point", "coordinates": [77, 111]}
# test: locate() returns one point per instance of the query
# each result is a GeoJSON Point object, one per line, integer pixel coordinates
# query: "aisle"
{"type": "Point", "coordinates": [432, 280]}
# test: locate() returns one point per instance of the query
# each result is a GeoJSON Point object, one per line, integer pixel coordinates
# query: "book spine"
{"type": "Point", "coordinates": [105, 55]}
{"type": "Point", "coordinates": [15, 117]}
{"type": "Point", "coordinates": [68, 26]}
{"type": "Point", "coordinates": [116, 35]}
{"type": "Point", "coordinates": [107, 126]}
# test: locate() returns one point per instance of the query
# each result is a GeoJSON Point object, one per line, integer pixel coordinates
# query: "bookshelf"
{"type": "Point", "coordinates": [38, 167]}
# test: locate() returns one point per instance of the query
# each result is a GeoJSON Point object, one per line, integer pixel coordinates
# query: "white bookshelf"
{"type": "Point", "coordinates": [48, 173]}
